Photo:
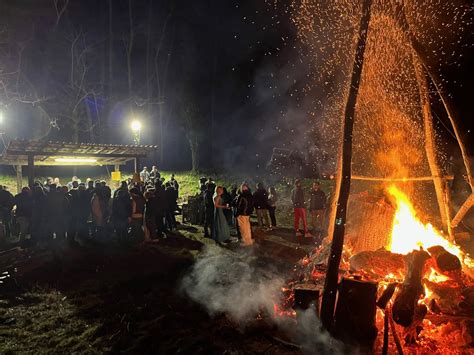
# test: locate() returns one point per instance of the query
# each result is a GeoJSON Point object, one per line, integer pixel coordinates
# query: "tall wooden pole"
{"type": "Point", "coordinates": [430, 144]}
{"type": "Point", "coordinates": [450, 111]}
{"type": "Point", "coordinates": [332, 274]}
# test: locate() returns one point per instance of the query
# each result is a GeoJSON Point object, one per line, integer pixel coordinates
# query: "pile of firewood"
{"type": "Point", "coordinates": [404, 300]}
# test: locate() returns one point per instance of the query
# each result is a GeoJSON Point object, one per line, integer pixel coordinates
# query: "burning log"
{"type": "Point", "coordinates": [406, 301]}
{"type": "Point", "coordinates": [387, 295]}
{"type": "Point", "coordinates": [445, 261]}
{"type": "Point", "coordinates": [376, 263]}
{"type": "Point", "coordinates": [355, 313]}
{"type": "Point", "coordinates": [386, 316]}
{"type": "Point", "coordinates": [415, 327]}
{"type": "Point", "coordinates": [396, 339]}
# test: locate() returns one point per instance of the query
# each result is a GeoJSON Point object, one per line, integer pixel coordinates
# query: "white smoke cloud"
{"type": "Point", "coordinates": [235, 283]}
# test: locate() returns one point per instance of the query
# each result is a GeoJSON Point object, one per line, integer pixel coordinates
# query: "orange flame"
{"type": "Point", "coordinates": [409, 233]}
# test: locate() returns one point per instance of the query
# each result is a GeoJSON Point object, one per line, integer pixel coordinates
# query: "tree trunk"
{"type": "Point", "coordinates": [195, 153]}
{"type": "Point", "coordinates": [104, 131]}
{"type": "Point", "coordinates": [430, 144]}
{"type": "Point", "coordinates": [332, 274]}
{"type": "Point", "coordinates": [130, 49]}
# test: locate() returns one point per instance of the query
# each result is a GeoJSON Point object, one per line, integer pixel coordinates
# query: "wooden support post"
{"type": "Point", "coordinates": [422, 54]}
{"type": "Point", "coordinates": [355, 313]}
{"type": "Point", "coordinates": [430, 144]}
{"type": "Point", "coordinates": [31, 170]}
{"type": "Point", "coordinates": [137, 165]}
{"type": "Point", "coordinates": [305, 296]}
{"type": "Point", "coordinates": [332, 274]}
{"type": "Point", "coordinates": [117, 167]}
{"type": "Point", "coordinates": [449, 208]}
{"type": "Point", "coordinates": [465, 207]}
{"type": "Point", "coordinates": [19, 178]}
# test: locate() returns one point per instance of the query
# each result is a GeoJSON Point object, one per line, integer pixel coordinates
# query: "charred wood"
{"type": "Point", "coordinates": [405, 303]}
{"type": "Point", "coordinates": [445, 261]}
{"type": "Point", "coordinates": [396, 339]}
{"type": "Point", "coordinates": [305, 297]}
{"type": "Point", "coordinates": [387, 295]}
{"type": "Point", "coordinates": [355, 313]}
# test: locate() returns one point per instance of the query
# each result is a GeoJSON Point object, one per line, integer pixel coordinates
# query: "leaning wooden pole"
{"type": "Point", "coordinates": [332, 274]}
{"type": "Point", "coordinates": [450, 111]}
{"type": "Point", "coordinates": [430, 144]}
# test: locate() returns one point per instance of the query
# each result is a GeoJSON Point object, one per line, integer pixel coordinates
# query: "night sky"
{"type": "Point", "coordinates": [224, 70]}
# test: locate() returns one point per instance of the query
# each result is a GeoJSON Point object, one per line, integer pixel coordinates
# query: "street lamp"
{"type": "Point", "coordinates": [136, 127]}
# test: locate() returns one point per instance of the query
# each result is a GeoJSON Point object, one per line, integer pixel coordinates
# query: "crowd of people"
{"type": "Point", "coordinates": [144, 208]}
{"type": "Point", "coordinates": [224, 209]}
{"type": "Point", "coordinates": [139, 209]}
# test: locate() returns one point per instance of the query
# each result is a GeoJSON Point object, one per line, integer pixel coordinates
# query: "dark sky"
{"type": "Point", "coordinates": [233, 64]}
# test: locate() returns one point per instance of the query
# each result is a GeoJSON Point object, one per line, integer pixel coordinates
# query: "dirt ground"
{"type": "Point", "coordinates": [112, 299]}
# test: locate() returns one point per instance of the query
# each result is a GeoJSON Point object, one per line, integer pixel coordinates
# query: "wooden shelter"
{"type": "Point", "coordinates": [31, 153]}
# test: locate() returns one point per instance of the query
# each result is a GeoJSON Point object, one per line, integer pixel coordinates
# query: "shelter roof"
{"type": "Point", "coordinates": [67, 153]}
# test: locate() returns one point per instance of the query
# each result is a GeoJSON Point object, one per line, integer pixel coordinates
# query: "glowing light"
{"type": "Point", "coordinates": [1, 117]}
{"type": "Point", "coordinates": [75, 160]}
{"type": "Point", "coordinates": [136, 126]}
{"type": "Point", "coordinates": [434, 276]}
{"type": "Point", "coordinates": [409, 233]}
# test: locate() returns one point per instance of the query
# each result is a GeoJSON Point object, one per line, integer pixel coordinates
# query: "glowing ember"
{"type": "Point", "coordinates": [436, 277]}
{"type": "Point", "coordinates": [409, 233]}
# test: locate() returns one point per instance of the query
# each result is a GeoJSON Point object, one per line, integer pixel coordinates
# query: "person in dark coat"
{"type": "Point", "coordinates": [171, 205]}
{"type": "Point", "coordinates": [138, 214]}
{"type": "Point", "coordinates": [208, 210]}
{"type": "Point", "coordinates": [227, 200]}
{"type": "Point", "coordinates": [202, 184]}
{"type": "Point", "coordinates": [260, 200]}
{"type": "Point", "coordinates": [123, 186]}
{"type": "Point", "coordinates": [83, 202]}
{"type": "Point", "coordinates": [272, 204]}
{"type": "Point", "coordinates": [160, 208]}
{"type": "Point", "coordinates": [317, 207]}
{"type": "Point", "coordinates": [244, 208]}
{"type": "Point", "coordinates": [234, 191]}
{"type": "Point", "coordinates": [154, 174]}
{"type": "Point", "coordinates": [72, 196]}
{"type": "Point", "coordinates": [121, 214]}
{"type": "Point", "coordinates": [56, 209]}
{"type": "Point", "coordinates": [175, 185]}
{"type": "Point", "coordinates": [23, 212]}
{"type": "Point", "coordinates": [299, 208]}
{"type": "Point", "coordinates": [38, 214]}
{"type": "Point", "coordinates": [6, 205]}
{"type": "Point", "coordinates": [150, 215]}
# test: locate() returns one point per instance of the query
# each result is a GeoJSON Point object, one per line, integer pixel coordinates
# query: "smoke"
{"type": "Point", "coordinates": [242, 286]}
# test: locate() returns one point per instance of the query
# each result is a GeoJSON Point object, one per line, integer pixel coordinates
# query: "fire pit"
{"type": "Point", "coordinates": [419, 287]}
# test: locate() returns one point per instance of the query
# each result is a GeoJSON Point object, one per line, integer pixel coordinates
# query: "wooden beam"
{"type": "Point", "coordinates": [136, 164]}
{"type": "Point", "coordinates": [465, 207]}
{"type": "Point", "coordinates": [430, 143]}
{"type": "Point", "coordinates": [65, 154]}
{"type": "Point", "coordinates": [422, 54]}
{"type": "Point", "coordinates": [332, 274]}
{"type": "Point", "coordinates": [406, 179]}
{"type": "Point", "coordinates": [19, 178]}
{"type": "Point", "coordinates": [31, 170]}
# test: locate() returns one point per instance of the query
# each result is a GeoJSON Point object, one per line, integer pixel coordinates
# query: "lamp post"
{"type": "Point", "coordinates": [136, 127]}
